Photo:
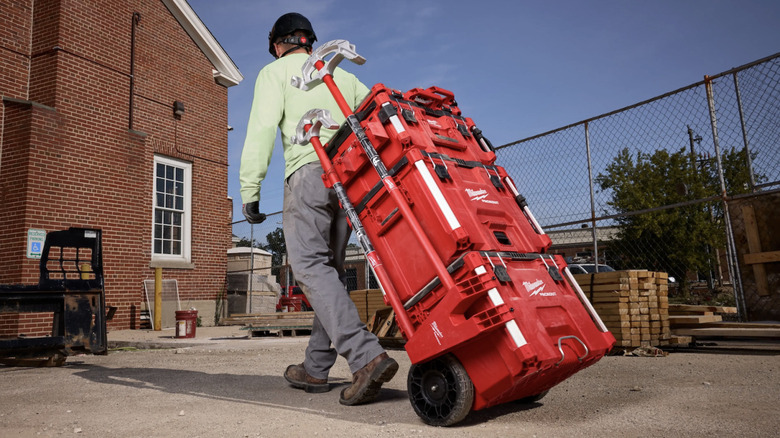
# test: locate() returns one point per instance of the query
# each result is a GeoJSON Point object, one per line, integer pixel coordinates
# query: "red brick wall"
{"type": "Point", "coordinates": [76, 163]}
{"type": "Point", "coordinates": [16, 16]}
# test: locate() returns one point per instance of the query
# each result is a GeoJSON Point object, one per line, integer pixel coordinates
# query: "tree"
{"type": "Point", "coordinates": [675, 240]}
{"type": "Point", "coordinates": [276, 246]}
{"type": "Point", "coordinates": [245, 243]}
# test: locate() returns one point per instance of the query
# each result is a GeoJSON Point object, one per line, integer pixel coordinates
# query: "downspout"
{"type": "Point", "coordinates": [136, 19]}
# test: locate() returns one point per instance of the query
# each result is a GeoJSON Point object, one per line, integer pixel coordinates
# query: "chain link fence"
{"type": "Point", "coordinates": [660, 174]}
{"type": "Point", "coordinates": [643, 187]}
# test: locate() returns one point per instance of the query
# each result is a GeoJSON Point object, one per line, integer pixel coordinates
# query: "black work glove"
{"type": "Point", "coordinates": [252, 213]}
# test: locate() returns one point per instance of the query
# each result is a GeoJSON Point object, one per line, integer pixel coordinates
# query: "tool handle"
{"type": "Point", "coordinates": [433, 97]}
{"type": "Point", "coordinates": [312, 75]}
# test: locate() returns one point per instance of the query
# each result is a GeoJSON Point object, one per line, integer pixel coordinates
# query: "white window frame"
{"type": "Point", "coordinates": [186, 237]}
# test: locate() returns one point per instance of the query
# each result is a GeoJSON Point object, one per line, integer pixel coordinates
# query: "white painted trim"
{"type": "Point", "coordinates": [186, 240]}
{"type": "Point", "coordinates": [225, 71]}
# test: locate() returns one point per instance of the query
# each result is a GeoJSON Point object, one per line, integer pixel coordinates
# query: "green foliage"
{"type": "Point", "coordinates": [676, 240]}
{"type": "Point", "coordinates": [245, 243]}
{"type": "Point", "coordinates": [276, 246]}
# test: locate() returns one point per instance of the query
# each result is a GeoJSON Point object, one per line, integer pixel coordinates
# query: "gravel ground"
{"type": "Point", "coordinates": [233, 387]}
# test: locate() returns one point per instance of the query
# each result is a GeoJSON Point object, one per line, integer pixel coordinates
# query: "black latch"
{"type": "Point", "coordinates": [408, 115]}
{"type": "Point", "coordinates": [496, 181]}
{"type": "Point", "coordinates": [385, 112]}
{"type": "Point", "coordinates": [501, 274]}
{"type": "Point", "coordinates": [441, 172]}
{"type": "Point", "coordinates": [553, 271]}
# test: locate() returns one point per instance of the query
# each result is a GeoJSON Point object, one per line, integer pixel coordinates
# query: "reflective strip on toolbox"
{"type": "Point", "coordinates": [511, 326]}
{"type": "Point", "coordinates": [437, 195]}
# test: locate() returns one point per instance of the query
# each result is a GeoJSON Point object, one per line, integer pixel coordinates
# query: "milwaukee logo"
{"type": "Point", "coordinates": [535, 288]}
{"type": "Point", "coordinates": [480, 195]}
{"type": "Point", "coordinates": [436, 332]}
{"type": "Point", "coordinates": [477, 195]}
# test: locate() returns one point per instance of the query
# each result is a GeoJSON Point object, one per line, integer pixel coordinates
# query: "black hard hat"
{"type": "Point", "coordinates": [288, 24]}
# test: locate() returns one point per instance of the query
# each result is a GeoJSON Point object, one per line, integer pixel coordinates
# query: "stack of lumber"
{"type": "Point", "coordinates": [367, 301]}
{"type": "Point", "coordinates": [276, 322]}
{"type": "Point", "coordinates": [690, 322]}
{"type": "Point", "coordinates": [633, 304]}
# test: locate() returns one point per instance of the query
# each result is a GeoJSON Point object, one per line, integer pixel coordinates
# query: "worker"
{"type": "Point", "coordinates": [316, 231]}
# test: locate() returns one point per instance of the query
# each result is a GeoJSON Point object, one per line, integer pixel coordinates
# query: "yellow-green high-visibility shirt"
{"type": "Point", "coordinates": [277, 103]}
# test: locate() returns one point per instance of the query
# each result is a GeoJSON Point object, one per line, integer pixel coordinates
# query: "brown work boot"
{"type": "Point", "coordinates": [367, 381]}
{"type": "Point", "coordinates": [299, 378]}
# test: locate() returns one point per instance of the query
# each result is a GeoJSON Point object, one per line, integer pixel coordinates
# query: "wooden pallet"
{"type": "Point", "coordinates": [279, 323]}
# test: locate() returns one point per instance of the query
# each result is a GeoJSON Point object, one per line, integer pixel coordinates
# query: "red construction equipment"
{"type": "Point", "coordinates": [488, 316]}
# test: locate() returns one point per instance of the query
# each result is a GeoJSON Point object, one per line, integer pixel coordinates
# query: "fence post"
{"type": "Point", "coordinates": [744, 135]}
{"type": "Point", "coordinates": [592, 200]}
{"type": "Point", "coordinates": [731, 253]}
{"type": "Point", "coordinates": [251, 263]}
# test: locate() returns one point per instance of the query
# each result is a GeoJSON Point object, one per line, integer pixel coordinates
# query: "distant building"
{"type": "Point", "coordinates": [114, 116]}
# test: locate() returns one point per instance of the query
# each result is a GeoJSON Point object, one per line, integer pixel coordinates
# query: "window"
{"type": "Point", "coordinates": [172, 210]}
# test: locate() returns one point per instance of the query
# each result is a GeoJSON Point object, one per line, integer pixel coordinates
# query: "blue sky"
{"type": "Point", "coordinates": [518, 68]}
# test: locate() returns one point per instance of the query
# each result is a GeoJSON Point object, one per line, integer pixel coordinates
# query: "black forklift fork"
{"type": "Point", "coordinates": [71, 289]}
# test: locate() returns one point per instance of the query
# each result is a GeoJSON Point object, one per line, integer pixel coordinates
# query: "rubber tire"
{"type": "Point", "coordinates": [435, 407]}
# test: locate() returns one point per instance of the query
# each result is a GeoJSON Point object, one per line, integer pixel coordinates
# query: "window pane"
{"type": "Point", "coordinates": [176, 233]}
{"type": "Point", "coordinates": [168, 172]}
{"type": "Point", "coordinates": [160, 200]}
{"type": "Point", "coordinates": [160, 170]}
{"type": "Point", "coordinates": [179, 174]}
{"type": "Point", "coordinates": [166, 233]}
{"type": "Point", "coordinates": [157, 231]}
{"type": "Point", "coordinates": [167, 217]}
{"type": "Point", "coordinates": [179, 203]}
{"type": "Point", "coordinates": [160, 184]}
{"type": "Point", "coordinates": [168, 201]}
{"type": "Point", "coordinates": [157, 246]}
{"type": "Point", "coordinates": [166, 247]}
{"type": "Point", "coordinates": [177, 218]}
{"type": "Point", "coordinates": [158, 216]}
{"type": "Point", "coordinates": [176, 248]}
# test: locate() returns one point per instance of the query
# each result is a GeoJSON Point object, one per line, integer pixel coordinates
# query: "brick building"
{"type": "Point", "coordinates": [90, 138]}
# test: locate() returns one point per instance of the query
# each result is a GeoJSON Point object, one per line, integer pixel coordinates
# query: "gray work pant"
{"type": "Point", "coordinates": [316, 234]}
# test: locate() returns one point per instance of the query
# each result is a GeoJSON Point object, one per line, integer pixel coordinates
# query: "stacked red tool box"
{"type": "Point", "coordinates": [489, 316]}
{"type": "Point", "coordinates": [516, 323]}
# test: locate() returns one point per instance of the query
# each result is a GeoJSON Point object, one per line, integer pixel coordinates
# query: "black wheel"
{"type": "Point", "coordinates": [532, 398]}
{"type": "Point", "coordinates": [440, 391]}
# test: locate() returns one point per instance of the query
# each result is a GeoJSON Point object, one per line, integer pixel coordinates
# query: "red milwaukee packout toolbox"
{"type": "Point", "coordinates": [488, 315]}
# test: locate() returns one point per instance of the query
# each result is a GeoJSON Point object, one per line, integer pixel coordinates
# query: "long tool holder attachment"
{"type": "Point", "coordinates": [342, 49]}
{"type": "Point", "coordinates": [308, 131]}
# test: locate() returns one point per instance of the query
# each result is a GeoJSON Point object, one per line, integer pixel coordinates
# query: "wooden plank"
{"type": "Point", "coordinates": [726, 324]}
{"type": "Point", "coordinates": [771, 333]}
{"type": "Point", "coordinates": [693, 319]}
{"type": "Point", "coordinates": [673, 308]}
{"type": "Point", "coordinates": [754, 246]}
{"type": "Point", "coordinates": [762, 257]}
{"type": "Point", "coordinates": [277, 315]}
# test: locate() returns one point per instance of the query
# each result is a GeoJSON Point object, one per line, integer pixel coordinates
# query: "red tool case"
{"type": "Point", "coordinates": [488, 316]}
